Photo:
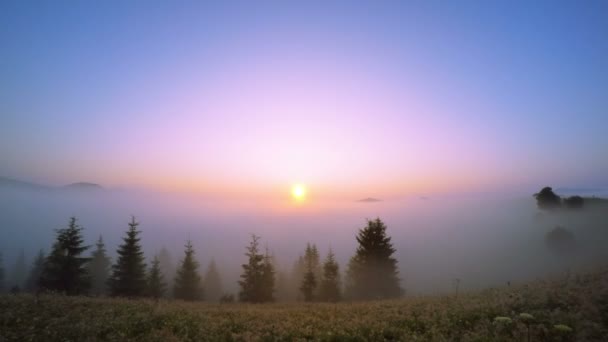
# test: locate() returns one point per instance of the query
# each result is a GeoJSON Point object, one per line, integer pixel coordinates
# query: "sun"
{"type": "Point", "coordinates": [298, 192]}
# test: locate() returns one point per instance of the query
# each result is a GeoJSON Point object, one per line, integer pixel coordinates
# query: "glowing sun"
{"type": "Point", "coordinates": [298, 192]}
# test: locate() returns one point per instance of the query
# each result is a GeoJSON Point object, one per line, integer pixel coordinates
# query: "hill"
{"type": "Point", "coordinates": [570, 308]}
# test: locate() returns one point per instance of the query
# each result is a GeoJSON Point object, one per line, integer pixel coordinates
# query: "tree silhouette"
{"type": "Point", "coordinates": [560, 241]}
{"type": "Point", "coordinates": [257, 276]}
{"type": "Point", "coordinates": [372, 271]}
{"type": "Point", "coordinates": [268, 281]}
{"type": "Point", "coordinates": [547, 199]}
{"type": "Point", "coordinates": [330, 284]}
{"type": "Point", "coordinates": [129, 272]}
{"type": "Point", "coordinates": [296, 278]}
{"type": "Point", "coordinates": [310, 278]}
{"type": "Point", "coordinates": [99, 269]}
{"type": "Point", "coordinates": [33, 280]}
{"type": "Point", "coordinates": [574, 202]}
{"type": "Point", "coordinates": [187, 281]}
{"type": "Point", "coordinates": [167, 268]}
{"type": "Point", "coordinates": [19, 274]}
{"type": "Point", "coordinates": [212, 283]}
{"type": "Point", "coordinates": [156, 286]}
{"type": "Point", "coordinates": [64, 269]}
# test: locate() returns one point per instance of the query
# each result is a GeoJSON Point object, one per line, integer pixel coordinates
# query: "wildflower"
{"type": "Point", "coordinates": [526, 317]}
{"type": "Point", "coordinates": [503, 320]}
{"type": "Point", "coordinates": [563, 328]}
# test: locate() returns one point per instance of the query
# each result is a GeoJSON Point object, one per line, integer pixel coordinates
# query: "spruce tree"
{"type": "Point", "coordinates": [312, 273]}
{"type": "Point", "coordinates": [156, 286]}
{"type": "Point", "coordinates": [19, 274]}
{"type": "Point", "coordinates": [252, 278]}
{"type": "Point", "coordinates": [129, 272]}
{"type": "Point", "coordinates": [99, 269]}
{"type": "Point", "coordinates": [296, 278]}
{"type": "Point", "coordinates": [372, 272]}
{"type": "Point", "coordinates": [64, 269]}
{"type": "Point", "coordinates": [329, 290]}
{"type": "Point", "coordinates": [167, 268]}
{"type": "Point", "coordinates": [187, 281]}
{"type": "Point", "coordinates": [268, 274]}
{"type": "Point", "coordinates": [212, 283]}
{"type": "Point", "coordinates": [33, 279]}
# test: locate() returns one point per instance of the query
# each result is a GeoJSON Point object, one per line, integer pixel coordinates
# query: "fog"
{"type": "Point", "coordinates": [482, 240]}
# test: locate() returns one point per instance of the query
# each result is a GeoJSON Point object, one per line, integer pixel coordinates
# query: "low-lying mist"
{"type": "Point", "coordinates": [480, 240]}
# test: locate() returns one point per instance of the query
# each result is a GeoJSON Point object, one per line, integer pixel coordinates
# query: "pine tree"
{"type": "Point", "coordinates": [99, 269]}
{"type": "Point", "coordinates": [329, 290]}
{"type": "Point", "coordinates": [156, 286]}
{"type": "Point", "coordinates": [64, 269]}
{"type": "Point", "coordinates": [33, 279]}
{"type": "Point", "coordinates": [252, 278]}
{"type": "Point", "coordinates": [1, 274]}
{"type": "Point", "coordinates": [212, 283]}
{"type": "Point", "coordinates": [312, 273]}
{"type": "Point", "coordinates": [372, 272]}
{"type": "Point", "coordinates": [129, 272]}
{"type": "Point", "coordinates": [167, 268]}
{"type": "Point", "coordinates": [268, 281]}
{"type": "Point", "coordinates": [19, 274]}
{"type": "Point", "coordinates": [187, 281]}
{"type": "Point", "coordinates": [296, 278]}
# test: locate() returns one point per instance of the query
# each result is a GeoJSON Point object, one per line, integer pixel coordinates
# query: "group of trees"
{"type": "Point", "coordinates": [547, 199]}
{"type": "Point", "coordinates": [371, 272]}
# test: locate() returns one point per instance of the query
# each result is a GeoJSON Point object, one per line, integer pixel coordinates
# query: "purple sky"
{"type": "Point", "coordinates": [357, 98]}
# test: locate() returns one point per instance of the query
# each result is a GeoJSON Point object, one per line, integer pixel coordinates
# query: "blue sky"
{"type": "Point", "coordinates": [405, 95]}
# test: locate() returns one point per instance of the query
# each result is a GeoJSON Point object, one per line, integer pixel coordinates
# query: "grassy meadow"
{"type": "Point", "coordinates": [568, 308]}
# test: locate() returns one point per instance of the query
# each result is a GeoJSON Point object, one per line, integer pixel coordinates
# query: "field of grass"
{"type": "Point", "coordinates": [570, 308]}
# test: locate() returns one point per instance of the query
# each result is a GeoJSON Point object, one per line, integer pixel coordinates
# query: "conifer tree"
{"type": "Point", "coordinates": [212, 283]}
{"type": "Point", "coordinates": [156, 286]}
{"type": "Point", "coordinates": [19, 274]}
{"type": "Point", "coordinates": [329, 290]}
{"type": "Point", "coordinates": [268, 281]}
{"type": "Point", "coordinates": [64, 269]}
{"type": "Point", "coordinates": [296, 278]}
{"type": "Point", "coordinates": [33, 279]}
{"type": "Point", "coordinates": [99, 269]}
{"type": "Point", "coordinates": [372, 272]}
{"type": "Point", "coordinates": [311, 277]}
{"type": "Point", "coordinates": [187, 281]}
{"type": "Point", "coordinates": [253, 277]}
{"type": "Point", "coordinates": [129, 272]}
{"type": "Point", "coordinates": [167, 268]}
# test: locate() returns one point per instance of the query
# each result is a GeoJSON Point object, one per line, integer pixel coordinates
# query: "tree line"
{"type": "Point", "coordinates": [371, 272]}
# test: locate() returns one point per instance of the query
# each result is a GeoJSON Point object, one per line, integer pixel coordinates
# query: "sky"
{"type": "Point", "coordinates": [350, 98]}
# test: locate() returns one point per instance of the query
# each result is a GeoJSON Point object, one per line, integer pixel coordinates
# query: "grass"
{"type": "Point", "coordinates": [572, 308]}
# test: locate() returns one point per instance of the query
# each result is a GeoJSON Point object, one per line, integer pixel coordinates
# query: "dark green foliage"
{"type": "Point", "coordinates": [156, 286]}
{"type": "Point", "coordinates": [33, 280]}
{"type": "Point", "coordinates": [547, 199]}
{"type": "Point", "coordinates": [19, 274]}
{"type": "Point", "coordinates": [309, 284]}
{"type": "Point", "coordinates": [560, 241]}
{"type": "Point", "coordinates": [129, 272]}
{"type": "Point", "coordinates": [187, 281]}
{"type": "Point", "coordinates": [64, 269]}
{"type": "Point", "coordinates": [227, 299]}
{"type": "Point", "coordinates": [99, 269]}
{"type": "Point", "coordinates": [372, 271]}
{"type": "Point", "coordinates": [257, 279]}
{"type": "Point", "coordinates": [296, 278]}
{"type": "Point", "coordinates": [574, 202]}
{"type": "Point", "coordinates": [212, 283]}
{"type": "Point", "coordinates": [329, 290]}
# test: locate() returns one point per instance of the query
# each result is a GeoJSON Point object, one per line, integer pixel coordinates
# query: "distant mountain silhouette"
{"type": "Point", "coordinates": [370, 200]}
{"type": "Point", "coordinates": [22, 185]}
{"type": "Point", "coordinates": [83, 186]}
{"type": "Point", "coordinates": [17, 184]}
